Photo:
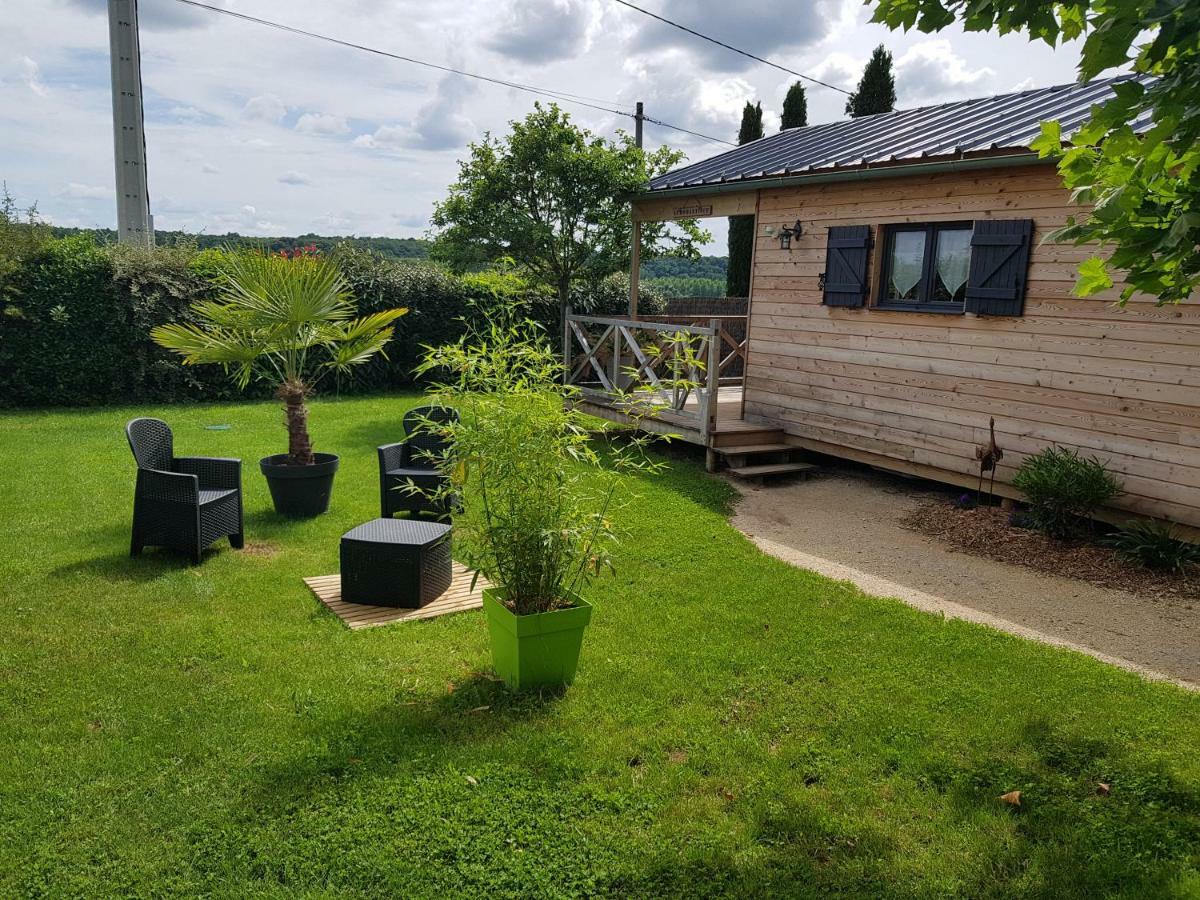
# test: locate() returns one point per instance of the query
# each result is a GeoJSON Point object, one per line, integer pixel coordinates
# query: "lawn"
{"type": "Point", "coordinates": [738, 726]}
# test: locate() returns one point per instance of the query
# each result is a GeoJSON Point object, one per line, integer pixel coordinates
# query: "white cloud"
{"type": "Point", "coordinates": [187, 112]}
{"type": "Point", "coordinates": [438, 125]}
{"type": "Point", "coordinates": [441, 123]}
{"type": "Point", "coordinates": [252, 87]}
{"type": "Point", "coordinates": [541, 31]}
{"type": "Point", "coordinates": [294, 177]}
{"type": "Point", "coordinates": [709, 105]}
{"type": "Point", "coordinates": [265, 108]}
{"type": "Point", "coordinates": [840, 70]}
{"type": "Point", "coordinates": [931, 71]}
{"type": "Point", "coordinates": [385, 137]}
{"type": "Point", "coordinates": [88, 191]}
{"type": "Point", "coordinates": [321, 123]}
{"type": "Point", "coordinates": [30, 73]}
{"type": "Point", "coordinates": [763, 28]}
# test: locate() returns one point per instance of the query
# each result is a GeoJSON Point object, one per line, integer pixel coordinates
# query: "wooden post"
{"type": "Point", "coordinates": [713, 373]}
{"type": "Point", "coordinates": [566, 346]}
{"type": "Point", "coordinates": [750, 302]}
{"type": "Point", "coordinates": [635, 269]}
{"type": "Point", "coordinates": [616, 359]}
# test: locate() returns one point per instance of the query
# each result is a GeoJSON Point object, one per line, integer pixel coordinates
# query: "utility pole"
{"type": "Point", "coordinates": [134, 222]}
{"type": "Point", "coordinates": [635, 251]}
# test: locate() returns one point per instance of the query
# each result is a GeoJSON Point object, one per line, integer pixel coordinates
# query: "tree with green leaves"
{"type": "Point", "coordinates": [555, 198]}
{"type": "Point", "coordinates": [795, 108]}
{"type": "Point", "coordinates": [1143, 189]}
{"type": "Point", "coordinates": [741, 228]}
{"type": "Point", "coordinates": [876, 92]}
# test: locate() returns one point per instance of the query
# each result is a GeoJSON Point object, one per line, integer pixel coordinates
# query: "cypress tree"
{"type": "Point", "coordinates": [877, 90]}
{"type": "Point", "coordinates": [795, 108]}
{"type": "Point", "coordinates": [741, 228]}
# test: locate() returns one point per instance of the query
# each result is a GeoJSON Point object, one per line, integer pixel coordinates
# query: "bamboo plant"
{"type": "Point", "coordinates": [539, 490]}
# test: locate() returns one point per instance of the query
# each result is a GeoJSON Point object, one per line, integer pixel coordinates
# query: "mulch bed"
{"type": "Point", "coordinates": [985, 531]}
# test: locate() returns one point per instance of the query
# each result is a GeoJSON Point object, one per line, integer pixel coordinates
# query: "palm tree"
{"type": "Point", "coordinates": [283, 317]}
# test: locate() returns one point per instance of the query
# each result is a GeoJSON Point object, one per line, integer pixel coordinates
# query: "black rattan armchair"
{"type": "Point", "coordinates": [415, 460]}
{"type": "Point", "coordinates": [183, 502]}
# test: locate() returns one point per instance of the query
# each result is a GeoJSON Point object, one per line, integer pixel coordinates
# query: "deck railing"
{"type": "Point", "coordinates": [676, 364]}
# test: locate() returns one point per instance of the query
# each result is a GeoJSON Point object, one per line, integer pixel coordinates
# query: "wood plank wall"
{"type": "Point", "coordinates": [915, 390]}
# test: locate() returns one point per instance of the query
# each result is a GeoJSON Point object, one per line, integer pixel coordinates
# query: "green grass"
{"type": "Point", "coordinates": [738, 726]}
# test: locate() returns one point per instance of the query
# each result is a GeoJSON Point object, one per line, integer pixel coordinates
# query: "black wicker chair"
{"type": "Point", "coordinates": [182, 502]}
{"type": "Point", "coordinates": [414, 460]}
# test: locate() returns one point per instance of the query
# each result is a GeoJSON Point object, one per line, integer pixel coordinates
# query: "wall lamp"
{"type": "Point", "coordinates": [786, 234]}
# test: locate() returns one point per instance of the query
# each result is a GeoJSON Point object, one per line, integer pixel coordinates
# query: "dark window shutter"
{"type": "Point", "coordinates": [999, 263]}
{"type": "Point", "coordinates": [846, 257]}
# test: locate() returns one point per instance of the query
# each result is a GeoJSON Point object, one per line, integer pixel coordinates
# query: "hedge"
{"type": "Point", "coordinates": [74, 329]}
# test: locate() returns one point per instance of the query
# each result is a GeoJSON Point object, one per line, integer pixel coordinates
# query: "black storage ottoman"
{"type": "Point", "coordinates": [396, 562]}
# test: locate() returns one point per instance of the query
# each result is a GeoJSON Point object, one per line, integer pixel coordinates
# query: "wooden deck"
{"type": "Point", "coordinates": [688, 369]}
{"type": "Point", "coordinates": [458, 598]}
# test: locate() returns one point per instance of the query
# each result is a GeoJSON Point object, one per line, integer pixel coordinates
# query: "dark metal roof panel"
{"type": "Point", "coordinates": [1004, 122]}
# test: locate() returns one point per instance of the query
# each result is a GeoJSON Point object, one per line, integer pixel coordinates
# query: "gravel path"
{"type": "Point", "coordinates": [850, 519]}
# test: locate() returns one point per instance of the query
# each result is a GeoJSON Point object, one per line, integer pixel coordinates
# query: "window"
{"type": "Point", "coordinates": [925, 267]}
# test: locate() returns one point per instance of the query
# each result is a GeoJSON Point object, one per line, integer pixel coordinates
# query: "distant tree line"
{"type": "Point", "coordinates": [677, 267]}
{"type": "Point", "coordinates": [387, 247]}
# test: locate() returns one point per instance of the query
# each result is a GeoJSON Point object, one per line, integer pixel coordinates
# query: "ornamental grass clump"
{"type": "Point", "coordinates": [1156, 546]}
{"type": "Point", "coordinates": [1064, 489]}
{"type": "Point", "coordinates": [287, 318]}
{"type": "Point", "coordinates": [539, 493]}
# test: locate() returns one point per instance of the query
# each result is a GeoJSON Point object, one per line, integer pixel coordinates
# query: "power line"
{"type": "Point", "coordinates": [746, 53]}
{"type": "Point", "coordinates": [693, 133]}
{"type": "Point", "coordinates": [558, 95]}
{"type": "Point", "coordinates": [564, 96]}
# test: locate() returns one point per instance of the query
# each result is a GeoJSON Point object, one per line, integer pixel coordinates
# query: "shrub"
{"type": "Point", "coordinates": [610, 297]}
{"type": "Point", "coordinates": [1063, 489]}
{"type": "Point", "coordinates": [1155, 545]}
{"type": "Point", "coordinates": [75, 317]}
{"type": "Point", "coordinates": [77, 321]}
{"type": "Point", "coordinates": [441, 306]}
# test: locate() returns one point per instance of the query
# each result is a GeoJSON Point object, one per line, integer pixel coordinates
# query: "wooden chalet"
{"type": "Point", "coordinates": [902, 296]}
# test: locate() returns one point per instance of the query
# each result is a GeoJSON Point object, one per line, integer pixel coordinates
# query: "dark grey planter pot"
{"type": "Point", "coordinates": [300, 492]}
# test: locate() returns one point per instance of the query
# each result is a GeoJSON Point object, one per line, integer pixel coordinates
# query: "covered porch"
{"type": "Point", "coordinates": [689, 371]}
{"type": "Point", "coordinates": [681, 376]}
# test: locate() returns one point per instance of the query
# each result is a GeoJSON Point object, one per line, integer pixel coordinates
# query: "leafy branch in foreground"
{"type": "Point", "coordinates": [1145, 187]}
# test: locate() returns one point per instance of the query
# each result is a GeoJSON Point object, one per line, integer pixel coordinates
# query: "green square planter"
{"type": "Point", "coordinates": [539, 650]}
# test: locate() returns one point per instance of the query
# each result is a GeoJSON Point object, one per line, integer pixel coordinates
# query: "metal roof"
{"type": "Point", "coordinates": [1006, 121]}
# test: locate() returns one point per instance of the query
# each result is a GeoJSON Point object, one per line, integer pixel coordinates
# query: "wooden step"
{"type": "Point", "coordinates": [733, 440]}
{"type": "Point", "coordinates": [789, 468]}
{"type": "Point", "coordinates": [744, 449]}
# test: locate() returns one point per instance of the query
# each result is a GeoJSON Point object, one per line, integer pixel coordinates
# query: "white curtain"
{"type": "Point", "coordinates": [908, 256]}
{"type": "Point", "coordinates": [954, 259]}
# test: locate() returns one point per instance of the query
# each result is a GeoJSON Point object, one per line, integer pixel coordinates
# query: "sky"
{"type": "Point", "coordinates": [253, 130]}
